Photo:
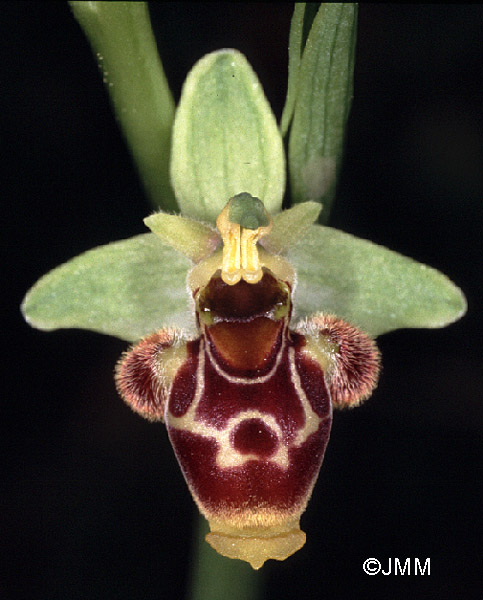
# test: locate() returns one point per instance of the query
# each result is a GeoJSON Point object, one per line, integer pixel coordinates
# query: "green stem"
{"type": "Point", "coordinates": [214, 577]}
{"type": "Point", "coordinates": [123, 42]}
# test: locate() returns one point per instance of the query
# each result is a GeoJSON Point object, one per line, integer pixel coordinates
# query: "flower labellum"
{"type": "Point", "coordinates": [248, 403]}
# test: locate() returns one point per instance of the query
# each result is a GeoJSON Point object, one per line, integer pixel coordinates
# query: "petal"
{"type": "Point", "coordinates": [192, 238]}
{"type": "Point", "coordinates": [290, 226]}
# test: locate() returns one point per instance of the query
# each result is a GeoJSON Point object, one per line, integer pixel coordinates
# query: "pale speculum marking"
{"type": "Point", "coordinates": [231, 451]}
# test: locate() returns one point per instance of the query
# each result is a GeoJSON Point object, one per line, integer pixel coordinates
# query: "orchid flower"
{"type": "Point", "coordinates": [250, 324]}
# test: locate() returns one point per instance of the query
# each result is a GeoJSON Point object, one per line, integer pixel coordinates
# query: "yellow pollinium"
{"type": "Point", "coordinates": [240, 252]}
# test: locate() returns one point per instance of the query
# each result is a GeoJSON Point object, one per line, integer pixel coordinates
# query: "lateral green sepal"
{"type": "Point", "coordinates": [368, 285]}
{"type": "Point", "coordinates": [127, 289]}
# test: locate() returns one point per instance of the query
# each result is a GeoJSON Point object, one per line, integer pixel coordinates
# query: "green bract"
{"type": "Point", "coordinates": [225, 139]}
{"type": "Point", "coordinates": [320, 96]}
{"type": "Point", "coordinates": [294, 56]}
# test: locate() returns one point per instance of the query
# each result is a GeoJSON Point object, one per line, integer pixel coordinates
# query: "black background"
{"type": "Point", "coordinates": [93, 504]}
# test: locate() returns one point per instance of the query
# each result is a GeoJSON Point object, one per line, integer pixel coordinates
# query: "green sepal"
{"type": "Point", "coordinates": [225, 139]}
{"type": "Point", "coordinates": [368, 285]}
{"type": "Point", "coordinates": [192, 238]}
{"type": "Point", "coordinates": [290, 226]}
{"type": "Point", "coordinates": [323, 100]}
{"type": "Point", "coordinates": [127, 289]}
{"type": "Point", "coordinates": [133, 287]}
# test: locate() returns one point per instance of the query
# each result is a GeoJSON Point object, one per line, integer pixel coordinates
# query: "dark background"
{"type": "Point", "coordinates": [93, 504]}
